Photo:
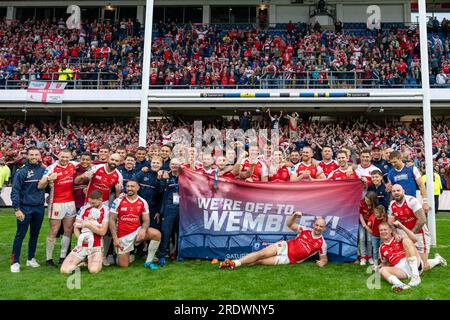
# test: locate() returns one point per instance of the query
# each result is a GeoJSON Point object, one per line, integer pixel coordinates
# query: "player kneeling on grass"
{"type": "Point", "coordinates": [307, 243]}
{"type": "Point", "coordinates": [129, 232]}
{"type": "Point", "coordinates": [399, 257]}
{"type": "Point", "coordinates": [93, 216]}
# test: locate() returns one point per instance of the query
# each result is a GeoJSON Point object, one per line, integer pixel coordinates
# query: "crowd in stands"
{"type": "Point", "coordinates": [198, 56]}
{"type": "Point", "coordinates": [86, 136]}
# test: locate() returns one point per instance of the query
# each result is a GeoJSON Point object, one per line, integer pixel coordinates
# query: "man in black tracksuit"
{"type": "Point", "coordinates": [28, 203]}
{"type": "Point", "coordinates": [150, 190]}
{"type": "Point", "coordinates": [170, 210]}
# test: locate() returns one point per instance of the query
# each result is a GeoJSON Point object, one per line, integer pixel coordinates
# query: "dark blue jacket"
{"type": "Point", "coordinates": [165, 165]}
{"type": "Point", "coordinates": [127, 175]}
{"type": "Point", "coordinates": [24, 190]}
{"type": "Point", "coordinates": [383, 165]}
{"type": "Point", "coordinates": [150, 190]}
{"type": "Point", "coordinates": [139, 165]}
{"type": "Point", "coordinates": [384, 198]}
{"type": "Point", "coordinates": [169, 186]}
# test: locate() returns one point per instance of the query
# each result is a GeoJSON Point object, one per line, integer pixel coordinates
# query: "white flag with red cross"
{"type": "Point", "coordinates": [46, 92]}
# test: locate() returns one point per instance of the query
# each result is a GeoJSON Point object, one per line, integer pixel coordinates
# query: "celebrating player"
{"type": "Point", "coordinates": [79, 254]}
{"type": "Point", "coordinates": [128, 232]}
{"type": "Point", "coordinates": [408, 211]}
{"type": "Point", "coordinates": [344, 171]}
{"type": "Point", "coordinates": [399, 259]}
{"type": "Point", "coordinates": [306, 169]}
{"type": "Point", "coordinates": [61, 202]}
{"type": "Point", "coordinates": [327, 164]}
{"type": "Point", "coordinates": [307, 243]}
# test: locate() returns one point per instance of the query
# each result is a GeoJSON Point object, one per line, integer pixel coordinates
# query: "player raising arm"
{"type": "Point", "coordinates": [307, 243]}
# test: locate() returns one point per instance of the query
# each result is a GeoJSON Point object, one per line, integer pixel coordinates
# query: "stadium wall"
{"type": "Point", "coordinates": [280, 11]}
{"type": "Point", "coordinates": [241, 95]}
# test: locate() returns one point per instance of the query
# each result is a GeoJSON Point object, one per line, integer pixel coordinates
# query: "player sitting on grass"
{"type": "Point", "coordinates": [399, 257]}
{"type": "Point", "coordinates": [307, 243]}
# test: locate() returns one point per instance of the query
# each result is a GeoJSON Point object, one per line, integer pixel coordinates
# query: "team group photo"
{"type": "Point", "coordinates": [257, 150]}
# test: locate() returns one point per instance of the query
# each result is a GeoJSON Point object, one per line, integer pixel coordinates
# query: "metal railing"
{"type": "Point", "coordinates": [284, 80]}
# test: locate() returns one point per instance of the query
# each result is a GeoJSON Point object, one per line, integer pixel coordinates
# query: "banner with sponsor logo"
{"type": "Point", "coordinates": [239, 217]}
{"type": "Point", "coordinates": [46, 92]}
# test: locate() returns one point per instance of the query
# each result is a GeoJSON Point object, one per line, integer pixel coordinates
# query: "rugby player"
{"type": "Point", "coordinates": [308, 242]}
{"type": "Point", "coordinates": [79, 254]}
{"type": "Point", "coordinates": [61, 202]}
{"type": "Point", "coordinates": [306, 170]}
{"type": "Point", "coordinates": [128, 232]}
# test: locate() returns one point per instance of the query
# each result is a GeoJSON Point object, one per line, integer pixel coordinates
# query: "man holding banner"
{"type": "Point", "coordinates": [307, 243]}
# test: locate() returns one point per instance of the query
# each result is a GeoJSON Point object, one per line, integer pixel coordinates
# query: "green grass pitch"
{"type": "Point", "coordinates": [195, 279]}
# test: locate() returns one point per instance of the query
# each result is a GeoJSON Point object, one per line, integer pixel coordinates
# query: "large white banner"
{"type": "Point", "coordinates": [46, 92]}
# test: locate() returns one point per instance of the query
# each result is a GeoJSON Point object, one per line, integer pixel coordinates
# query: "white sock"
{"type": "Point", "coordinates": [433, 262]}
{"type": "Point", "coordinates": [413, 264]}
{"type": "Point", "coordinates": [394, 280]}
{"type": "Point", "coordinates": [106, 243]}
{"type": "Point", "coordinates": [65, 243]}
{"type": "Point", "coordinates": [49, 247]}
{"type": "Point", "coordinates": [238, 263]}
{"type": "Point", "coordinates": [151, 250]}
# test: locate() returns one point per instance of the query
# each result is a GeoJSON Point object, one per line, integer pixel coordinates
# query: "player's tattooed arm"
{"type": "Point", "coordinates": [113, 228]}
{"type": "Point", "coordinates": [421, 220]}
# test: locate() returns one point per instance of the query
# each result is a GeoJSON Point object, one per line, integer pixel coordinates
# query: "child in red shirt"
{"type": "Point", "coordinates": [366, 209]}
{"type": "Point", "coordinates": [375, 219]}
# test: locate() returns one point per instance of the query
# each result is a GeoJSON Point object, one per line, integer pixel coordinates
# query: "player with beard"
{"type": "Point", "coordinates": [79, 189]}
{"type": "Point", "coordinates": [61, 203]}
{"type": "Point", "coordinates": [294, 161]}
{"type": "Point", "coordinates": [308, 242]}
{"type": "Point", "coordinates": [327, 164]}
{"type": "Point", "coordinates": [128, 212]}
{"type": "Point", "coordinates": [344, 172]}
{"type": "Point", "coordinates": [104, 177]}
{"type": "Point", "coordinates": [306, 170]}
{"type": "Point", "coordinates": [79, 254]}
{"type": "Point", "coordinates": [409, 212]}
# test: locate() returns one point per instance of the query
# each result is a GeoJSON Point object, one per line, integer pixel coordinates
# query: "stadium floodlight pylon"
{"type": "Point", "coordinates": [145, 86]}
{"type": "Point", "coordinates": [427, 133]}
